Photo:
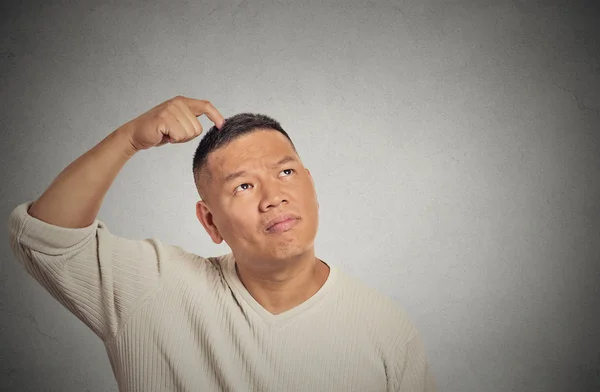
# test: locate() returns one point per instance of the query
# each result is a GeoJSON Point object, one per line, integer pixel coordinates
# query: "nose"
{"type": "Point", "coordinates": [272, 195]}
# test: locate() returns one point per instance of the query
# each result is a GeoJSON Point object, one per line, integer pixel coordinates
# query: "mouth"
{"type": "Point", "coordinates": [282, 226]}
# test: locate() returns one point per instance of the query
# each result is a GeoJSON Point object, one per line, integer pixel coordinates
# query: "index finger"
{"type": "Point", "coordinates": [200, 107]}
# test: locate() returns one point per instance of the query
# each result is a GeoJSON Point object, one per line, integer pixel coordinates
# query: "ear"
{"type": "Point", "coordinates": [206, 218]}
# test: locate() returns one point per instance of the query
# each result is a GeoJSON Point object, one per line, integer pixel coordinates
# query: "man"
{"type": "Point", "coordinates": [269, 316]}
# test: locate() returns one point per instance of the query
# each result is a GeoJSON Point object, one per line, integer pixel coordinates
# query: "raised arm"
{"type": "Point", "coordinates": [99, 277]}
{"type": "Point", "coordinates": [74, 198]}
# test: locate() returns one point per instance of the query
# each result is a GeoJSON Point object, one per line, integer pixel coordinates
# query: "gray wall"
{"type": "Point", "coordinates": [455, 147]}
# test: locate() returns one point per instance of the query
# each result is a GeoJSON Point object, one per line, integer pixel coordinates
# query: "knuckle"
{"type": "Point", "coordinates": [173, 102]}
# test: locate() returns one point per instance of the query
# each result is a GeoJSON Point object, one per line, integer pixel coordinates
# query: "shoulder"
{"type": "Point", "coordinates": [383, 316]}
{"type": "Point", "coordinates": [195, 267]}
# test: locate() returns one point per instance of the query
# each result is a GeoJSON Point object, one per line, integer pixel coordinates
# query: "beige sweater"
{"type": "Point", "coordinates": [175, 321]}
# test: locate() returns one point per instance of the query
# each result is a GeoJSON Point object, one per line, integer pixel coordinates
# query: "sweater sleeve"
{"type": "Point", "coordinates": [97, 276]}
{"type": "Point", "coordinates": [411, 371]}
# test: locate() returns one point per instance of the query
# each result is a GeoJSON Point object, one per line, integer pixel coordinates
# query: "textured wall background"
{"type": "Point", "coordinates": [455, 147]}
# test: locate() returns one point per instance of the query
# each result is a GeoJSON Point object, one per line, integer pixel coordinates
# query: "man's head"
{"type": "Point", "coordinates": [248, 174]}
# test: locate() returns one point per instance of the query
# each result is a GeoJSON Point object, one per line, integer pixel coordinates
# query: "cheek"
{"type": "Point", "coordinates": [309, 195]}
{"type": "Point", "coordinates": [308, 204]}
{"type": "Point", "coordinates": [239, 226]}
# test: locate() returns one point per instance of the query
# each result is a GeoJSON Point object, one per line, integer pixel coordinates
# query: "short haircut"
{"type": "Point", "coordinates": [234, 127]}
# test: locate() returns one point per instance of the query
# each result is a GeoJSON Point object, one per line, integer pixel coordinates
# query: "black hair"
{"type": "Point", "coordinates": [234, 127]}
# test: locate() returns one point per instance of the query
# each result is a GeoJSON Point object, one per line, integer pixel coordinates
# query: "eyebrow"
{"type": "Point", "coordinates": [232, 176]}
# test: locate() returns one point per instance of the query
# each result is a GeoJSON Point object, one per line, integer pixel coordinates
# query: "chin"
{"type": "Point", "coordinates": [290, 249]}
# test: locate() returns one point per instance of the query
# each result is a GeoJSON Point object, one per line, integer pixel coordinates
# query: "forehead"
{"type": "Point", "coordinates": [264, 146]}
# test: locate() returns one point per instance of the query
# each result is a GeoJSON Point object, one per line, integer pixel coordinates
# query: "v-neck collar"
{"type": "Point", "coordinates": [240, 290]}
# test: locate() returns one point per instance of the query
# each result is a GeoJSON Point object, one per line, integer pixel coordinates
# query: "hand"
{"type": "Point", "coordinates": [173, 121]}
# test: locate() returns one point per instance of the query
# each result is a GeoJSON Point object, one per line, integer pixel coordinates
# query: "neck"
{"type": "Point", "coordinates": [281, 285]}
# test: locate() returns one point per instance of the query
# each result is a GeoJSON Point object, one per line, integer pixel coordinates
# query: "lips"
{"type": "Point", "coordinates": [281, 222]}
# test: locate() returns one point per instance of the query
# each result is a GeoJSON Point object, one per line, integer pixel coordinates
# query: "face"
{"type": "Point", "coordinates": [254, 180]}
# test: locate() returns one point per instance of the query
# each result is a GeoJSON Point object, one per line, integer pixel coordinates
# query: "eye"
{"type": "Point", "coordinates": [287, 170]}
{"type": "Point", "coordinates": [241, 186]}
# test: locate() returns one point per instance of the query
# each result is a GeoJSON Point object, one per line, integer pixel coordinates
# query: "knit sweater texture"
{"type": "Point", "coordinates": [171, 320]}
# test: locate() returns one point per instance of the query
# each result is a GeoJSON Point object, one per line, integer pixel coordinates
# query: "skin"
{"type": "Point", "coordinates": [279, 270]}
